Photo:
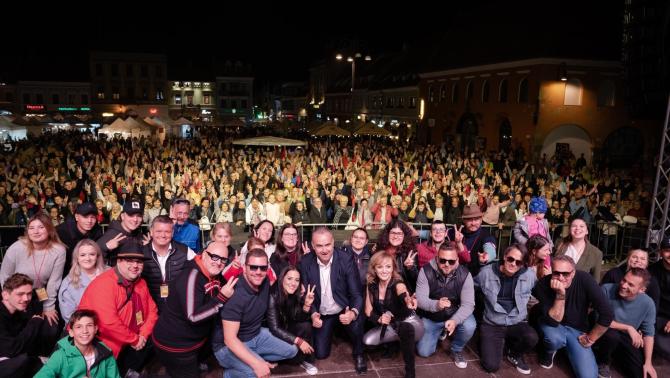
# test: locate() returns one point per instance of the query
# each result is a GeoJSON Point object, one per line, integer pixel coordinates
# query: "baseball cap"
{"type": "Point", "coordinates": [133, 207]}
{"type": "Point", "coordinates": [86, 208]}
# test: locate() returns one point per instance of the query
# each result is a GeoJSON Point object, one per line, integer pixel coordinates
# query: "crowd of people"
{"type": "Point", "coordinates": [123, 297]}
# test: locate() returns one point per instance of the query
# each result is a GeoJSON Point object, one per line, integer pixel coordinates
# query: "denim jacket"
{"type": "Point", "coordinates": [489, 283]}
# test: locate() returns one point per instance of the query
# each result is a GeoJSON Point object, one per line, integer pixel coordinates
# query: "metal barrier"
{"type": "Point", "coordinates": [614, 247]}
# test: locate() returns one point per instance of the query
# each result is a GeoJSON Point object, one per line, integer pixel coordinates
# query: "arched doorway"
{"type": "Point", "coordinates": [469, 130]}
{"type": "Point", "coordinates": [568, 139]}
{"type": "Point", "coordinates": [505, 137]}
{"type": "Point", "coordinates": [623, 147]}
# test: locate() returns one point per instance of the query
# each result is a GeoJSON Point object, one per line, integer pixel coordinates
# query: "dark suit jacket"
{"type": "Point", "coordinates": [344, 280]}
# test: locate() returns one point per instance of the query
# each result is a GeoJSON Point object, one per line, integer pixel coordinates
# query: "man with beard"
{"type": "Point", "coordinates": [127, 230]}
{"type": "Point", "coordinates": [477, 247]}
{"type": "Point", "coordinates": [84, 226]}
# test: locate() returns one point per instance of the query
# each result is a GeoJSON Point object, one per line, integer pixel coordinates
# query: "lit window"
{"type": "Point", "coordinates": [573, 92]}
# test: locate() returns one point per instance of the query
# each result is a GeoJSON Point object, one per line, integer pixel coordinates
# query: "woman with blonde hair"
{"type": "Point", "coordinates": [87, 263]}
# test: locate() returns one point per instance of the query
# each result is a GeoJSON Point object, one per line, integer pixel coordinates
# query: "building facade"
{"type": "Point", "coordinates": [194, 100]}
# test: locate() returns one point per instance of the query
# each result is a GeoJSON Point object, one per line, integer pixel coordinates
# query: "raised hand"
{"type": "Point", "coordinates": [229, 288]}
{"type": "Point", "coordinates": [113, 243]}
{"type": "Point", "coordinates": [309, 296]}
{"type": "Point", "coordinates": [305, 248]}
{"type": "Point", "coordinates": [316, 320]}
{"type": "Point", "coordinates": [409, 261]}
{"type": "Point", "coordinates": [458, 235]}
{"type": "Point", "coordinates": [411, 302]}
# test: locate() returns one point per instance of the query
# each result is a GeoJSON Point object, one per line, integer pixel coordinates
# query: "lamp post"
{"type": "Point", "coordinates": [352, 59]}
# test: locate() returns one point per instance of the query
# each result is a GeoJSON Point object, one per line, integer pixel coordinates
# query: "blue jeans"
{"type": "Point", "coordinates": [264, 346]}
{"type": "Point", "coordinates": [582, 359]}
{"type": "Point", "coordinates": [428, 343]}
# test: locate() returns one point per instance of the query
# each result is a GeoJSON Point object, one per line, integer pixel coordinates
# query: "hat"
{"type": "Point", "coordinates": [130, 250]}
{"type": "Point", "coordinates": [133, 207]}
{"type": "Point", "coordinates": [665, 242]}
{"type": "Point", "coordinates": [537, 205]}
{"type": "Point", "coordinates": [86, 208]}
{"type": "Point", "coordinates": [471, 211]}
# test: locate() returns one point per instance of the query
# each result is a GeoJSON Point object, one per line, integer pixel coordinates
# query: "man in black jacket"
{"type": "Point", "coordinates": [165, 259]}
{"type": "Point", "coordinates": [127, 230]}
{"type": "Point", "coordinates": [338, 296]}
{"type": "Point", "coordinates": [84, 226]}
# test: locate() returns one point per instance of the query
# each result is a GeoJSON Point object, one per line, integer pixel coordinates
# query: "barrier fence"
{"type": "Point", "coordinates": [614, 246]}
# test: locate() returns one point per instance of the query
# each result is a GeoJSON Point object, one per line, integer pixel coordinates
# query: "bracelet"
{"type": "Point", "coordinates": [560, 297]}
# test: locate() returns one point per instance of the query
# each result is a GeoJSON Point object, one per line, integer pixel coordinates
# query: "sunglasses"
{"type": "Point", "coordinates": [511, 259]}
{"type": "Point", "coordinates": [445, 261]}
{"type": "Point", "coordinates": [556, 273]}
{"type": "Point", "coordinates": [262, 268]}
{"type": "Point", "coordinates": [216, 258]}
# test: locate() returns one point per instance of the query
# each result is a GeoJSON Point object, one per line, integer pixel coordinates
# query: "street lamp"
{"type": "Point", "coordinates": [352, 59]}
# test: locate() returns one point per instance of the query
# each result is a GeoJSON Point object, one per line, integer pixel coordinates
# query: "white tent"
{"type": "Point", "coordinates": [138, 128]}
{"type": "Point", "coordinates": [181, 121]}
{"type": "Point", "coordinates": [117, 127]}
{"type": "Point", "coordinates": [182, 127]}
{"type": "Point", "coordinates": [9, 129]}
{"type": "Point", "coordinates": [162, 127]}
{"type": "Point", "coordinates": [269, 141]}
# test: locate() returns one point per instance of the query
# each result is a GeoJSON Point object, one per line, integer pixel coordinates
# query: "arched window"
{"type": "Point", "coordinates": [443, 93]}
{"type": "Point", "coordinates": [573, 92]}
{"type": "Point", "coordinates": [505, 136]}
{"type": "Point", "coordinates": [606, 93]}
{"type": "Point", "coordinates": [485, 91]}
{"type": "Point", "coordinates": [502, 91]}
{"type": "Point", "coordinates": [431, 95]}
{"type": "Point", "coordinates": [523, 91]}
{"type": "Point", "coordinates": [468, 91]}
{"type": "Point", "coordinates": [454, 93]}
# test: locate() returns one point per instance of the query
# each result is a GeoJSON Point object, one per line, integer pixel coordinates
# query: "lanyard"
{"type": "Point", "coordinates": [38, 282]}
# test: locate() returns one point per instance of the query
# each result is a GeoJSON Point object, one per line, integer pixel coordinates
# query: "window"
{"type": "Point", "coordinates": [70, 99]}
{"type": "Point", "coordinates": [244, 104]}
{"type": "Point", "coordinates": [502, 92]}
{"type": "Point", "coordinates": [431, 95]}
{"type": "Point", "coordinates": [389, 102]}
{"type": "Point", "coordinates": [100, 93]}
{"type": "Point", "coordinates": [233, 104]}
{"type": "Point", "coordinates": [55, 100]}
{"type": "Point", "coordinates": [159, 95]}
{"type": "Point", "coordinates": [98, 69]}
{"type": "Point", "coordinates": [39, 98]}
{"type": "Point", "coordinates": [401, 102]}
{"type": "Point", "coordinates": [468, 91]}
{"type": "Point", "coordinates": [523, 91]}
{"type": "Point", "coordinates": [84, 99]}
{"type": "Point", "coordinates": [573, 92]}
{"type": "Point", "coordinates": [606, 92]}
{"type": "Point", "coordinates": [206, 99]}
{"type": "Point", "coordinates": [130, 72]}
{"type": "Point", "coordinates": [189, 100]}
{"type": "Point", "coordinates": [115, 93]}
{"type": "Point", "coordinates": [177, 99]}
{"type": "Point", "coordinates": [115, 69]}
{"type": "Point", "coordinates": [145, 94]}
{"type": "Point", "coordinates": [454, 93]}
{"type": "Point", "coordinates": [443, 93]}
{"type": "Point", "coordinates": [144, 70]}
{"type": "Point", "coordinates": [412, 102]}
{"type": "Point", "coordinates": [9, 97]}
{"type": "Point", "coordinates": [485, 91]}
{"type": "Point", "coordinates": [26, 98]}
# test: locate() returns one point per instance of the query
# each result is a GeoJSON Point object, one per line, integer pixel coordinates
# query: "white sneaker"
{"type": "Point", "coordinates": [309, 368]}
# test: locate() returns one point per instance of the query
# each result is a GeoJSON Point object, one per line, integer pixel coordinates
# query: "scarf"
{"type": "Point", "coordinates": [135, 300]}
{"type": "Point", "coordinates": [213, 283]}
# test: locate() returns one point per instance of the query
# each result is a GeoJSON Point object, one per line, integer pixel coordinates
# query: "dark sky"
{"type": "Point", "coordinates": [281, 40]}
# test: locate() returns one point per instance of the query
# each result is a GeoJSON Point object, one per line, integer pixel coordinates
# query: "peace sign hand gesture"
{"type": "Point", "coordinates": [411, 302]}
{"type": "Point", "coordinates": [229, 288]}
{"type": "Point", "coordinates": [309, 295]}
{"type": "Point", "coordinates": [458, 235]}
{"type": "Point", "coordinates": [409, 261]}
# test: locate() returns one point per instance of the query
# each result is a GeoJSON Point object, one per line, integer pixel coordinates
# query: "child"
{"type": "Point", "coordinates": [81, 354]}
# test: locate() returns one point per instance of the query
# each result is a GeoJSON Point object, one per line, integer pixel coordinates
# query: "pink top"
{"type": "Point", "coordinates": [535, 227]}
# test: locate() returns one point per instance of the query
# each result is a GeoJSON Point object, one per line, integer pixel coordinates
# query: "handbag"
{"type": "Point", "coordinates": [204, 223]}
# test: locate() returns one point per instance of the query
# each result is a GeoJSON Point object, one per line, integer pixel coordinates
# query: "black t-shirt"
{"type": "Point", "coordinates": [248, 307]}
{"type": "Point", "coordinates": [662, 276]}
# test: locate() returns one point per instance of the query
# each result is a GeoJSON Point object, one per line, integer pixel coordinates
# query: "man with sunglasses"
{"type": "Point", "coordinates": [191, 311]}
{"type": "Point", "coordinates": [247, 347]}
{"type": "Point", "coordinates": [506, 287]}
{"type": "Point", "coordinates": [446, 300]}
{"type": "Point", "coordinates": [165, 259]}
{"type": "Point", "coordinates": [565, 297]}
{"type": "Point", "coordinates": [185, 232]}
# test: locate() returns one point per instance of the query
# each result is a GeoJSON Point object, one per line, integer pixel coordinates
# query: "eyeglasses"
{"type": "Point", "coordinates": [290, 235]}
{"type": "Point", "coordinates": [511, 259]}
{"type": "Point", "coordinates": [445, 261]}
{"type": "Point", "coordinates": [439, 230]}
{"type": "Point", "coordinates": [397, 233]}
{"type": "Point", "coordinates": [262, 268]}
{"type": "Point", "coordinates": [556, 273]}
{"type": "Point", "coordinates": [216, 258]}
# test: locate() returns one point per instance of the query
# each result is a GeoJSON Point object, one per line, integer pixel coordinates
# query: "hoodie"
{"type": "Point", "coordinates": [68, 362]}
{"type": "Point", "coordinates": [114, 229]}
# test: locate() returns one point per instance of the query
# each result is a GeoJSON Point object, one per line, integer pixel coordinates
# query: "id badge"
{"type": "Point", "coordinates": [164, 291]}
{"type": "Point", "coordinates": [41, 294]}
{"type": "Point", "coordinates": [138, 318]}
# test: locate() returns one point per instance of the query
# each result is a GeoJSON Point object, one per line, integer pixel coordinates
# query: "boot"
{"type": "Point", "coordinates": [406, 333]}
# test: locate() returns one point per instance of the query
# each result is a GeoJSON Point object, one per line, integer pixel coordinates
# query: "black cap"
{"type": "Point", "coordinates": [86, 208]}
{"type": "Point", "coordinates": [665, 242]}
{"type": "Point", "coordinates": [133, 207]}
{"type": "Point", "coordinates": [130, 250]}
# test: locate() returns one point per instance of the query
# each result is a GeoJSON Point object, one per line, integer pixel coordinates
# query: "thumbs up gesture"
{"type": "Point", "coordinates": [347, 316]}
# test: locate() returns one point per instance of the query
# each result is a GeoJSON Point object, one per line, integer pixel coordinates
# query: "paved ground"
{"type": "Point", "coordinates": [340, 364]}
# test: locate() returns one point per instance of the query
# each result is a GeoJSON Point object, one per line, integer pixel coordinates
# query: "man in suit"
{"type": "Point", "coordinates": [338, 298]}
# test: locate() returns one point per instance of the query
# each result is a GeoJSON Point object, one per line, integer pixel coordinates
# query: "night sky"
{"type": "Point", "coordinates": [281, 40]}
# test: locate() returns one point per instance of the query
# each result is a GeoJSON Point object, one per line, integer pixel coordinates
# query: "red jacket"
{"type": "Point", "coordinates": [107, 298]}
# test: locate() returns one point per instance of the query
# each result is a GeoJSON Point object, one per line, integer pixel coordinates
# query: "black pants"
{"type": "Point", "coordinates": [20, 366]}
{"type": "Point", "coordinates": [519, 338]}
{"type": "Point", "coordinates": [618, 344]}
{"type": "Point", "coordinates": [304, 331]}
{"type": "Point", "coordinates": [323, 336]}
{"type": "Point", "coordinates": [130, 358]}
{"type": "Point", "coordinates": [407, 343]}
{"type": "Point", "coordinates": [179, 364]}
{"type": "Point", "coordinates": [662, 339]}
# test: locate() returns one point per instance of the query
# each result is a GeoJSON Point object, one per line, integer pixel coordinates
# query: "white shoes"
{"type": "Point", "coordinates": [309, 368]}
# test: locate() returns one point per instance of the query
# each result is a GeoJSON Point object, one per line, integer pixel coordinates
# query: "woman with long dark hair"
{"type": "Point", "coordinates": [396, 238]}
{"type": "Point", "coordinates": [288, 316]}
{"type": "Point", "coordinates": [290, 248]}
{"type": "Point", "coordinates": [587, 257]}
{"type": "Point", "coordinates": [538, 257]}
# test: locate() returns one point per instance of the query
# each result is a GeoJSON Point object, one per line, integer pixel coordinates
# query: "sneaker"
{"type": "Point", "coordinates": [519, 362]}
{"type": "Point", "coordinates": [309, 368]}
{"type": "Point", "coordinates": [604, 371]}
{"type": "Point", "coordinates": [459, 360]}
{"type": "Point", "coordinates": [443, 335]}
{"type": "Point", "coordinates": [547, 359]}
